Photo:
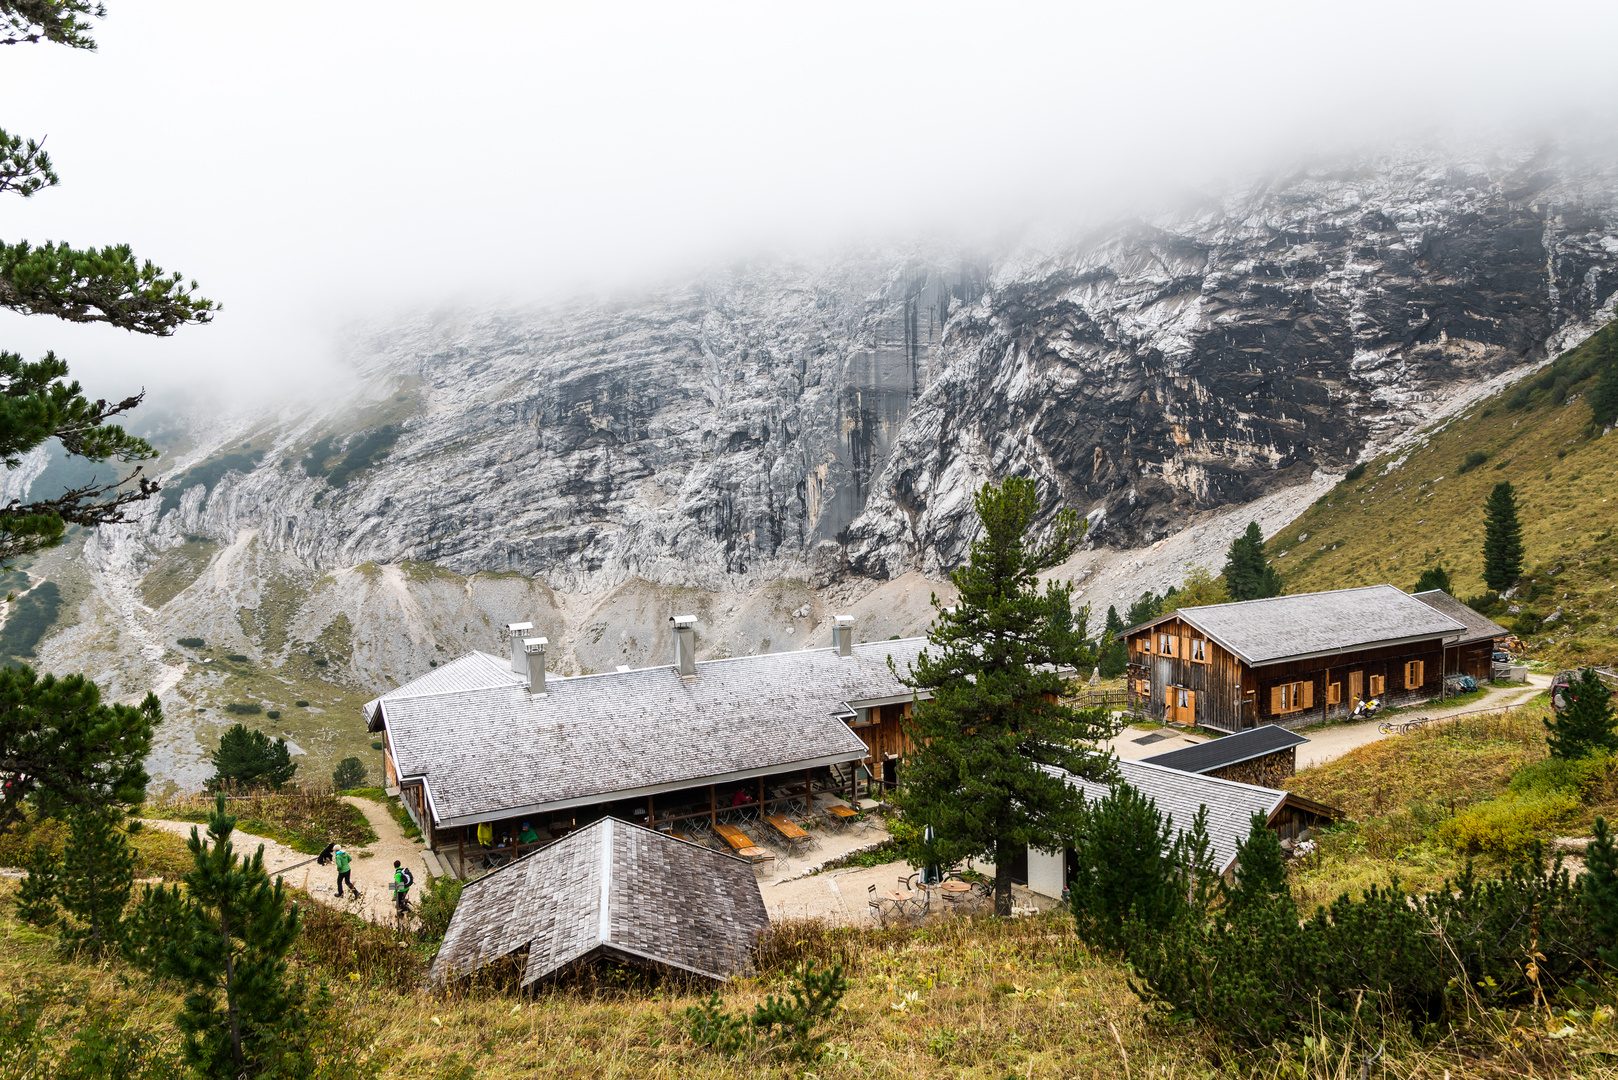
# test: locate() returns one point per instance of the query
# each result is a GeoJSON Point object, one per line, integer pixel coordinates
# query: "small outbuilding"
{"type": "Point", "coordinates": [611, 891]}
{"type": "Point", "coordinates": [1264, 756]}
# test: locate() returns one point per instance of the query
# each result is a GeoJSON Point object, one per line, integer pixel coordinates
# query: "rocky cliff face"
{"type": "Point", "coordinates": [773, 419]}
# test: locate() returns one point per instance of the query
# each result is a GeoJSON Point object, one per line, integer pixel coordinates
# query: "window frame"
{"type": "Point", "coordinates": [1199, 650]}
{"type": "Point", "coordinates": [1376, 685]}
{"type": "Point", "coordinates": [1334, 693]}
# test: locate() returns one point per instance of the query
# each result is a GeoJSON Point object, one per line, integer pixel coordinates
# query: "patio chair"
{"type": "Point", "coordinates": [874, 901]}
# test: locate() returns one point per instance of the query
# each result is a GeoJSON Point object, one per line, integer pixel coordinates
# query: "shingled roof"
{"type": "Point", "coordinates": [1316, 624]}
{"type": "Point", "coordinates": [484, 747]}
{"type": "Point", "coordinates": [1478, 627]}
{"type": "Point", "coordinates": [1230, 750]}
{"type": "Point", "coordinates": [614, 890]}
{"type": "Point", "coordinates": [1231, 805]}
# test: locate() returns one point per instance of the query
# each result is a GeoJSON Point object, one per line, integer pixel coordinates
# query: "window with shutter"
{"type": "Point", "coordinates": [1199, 651]}
{"type": "Point", "coordinates": [1334, 693]}
{"type": "Point", "coordinates": [1378, 684]}
{"type": "Point", "coordinates": [1413, 674]}
{"type": "Point", "coordinates": [1278, 702]}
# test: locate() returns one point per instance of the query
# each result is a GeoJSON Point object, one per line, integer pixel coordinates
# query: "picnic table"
{"type": "Point", "coordinates": [843, 813]}
{"type": "Point", "coordinates": [734, 837]}
{"type": "Point", "coordinates": [789, 830]}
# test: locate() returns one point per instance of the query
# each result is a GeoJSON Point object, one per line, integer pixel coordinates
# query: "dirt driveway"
{"type": "Point", "coordinates": [372, 868]}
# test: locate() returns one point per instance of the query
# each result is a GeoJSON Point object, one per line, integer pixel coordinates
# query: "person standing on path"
{"type": "Point", "coordinates": [344, 872]}
{"type": "Point", "coordinates": [401, 888]}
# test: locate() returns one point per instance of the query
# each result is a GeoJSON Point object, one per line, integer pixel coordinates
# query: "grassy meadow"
{"type": "Point", "coordinates": [1423, 506]}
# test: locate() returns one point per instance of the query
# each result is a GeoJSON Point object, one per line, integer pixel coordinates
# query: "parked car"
{"type": "Point", "coordinates": [1501, 656]}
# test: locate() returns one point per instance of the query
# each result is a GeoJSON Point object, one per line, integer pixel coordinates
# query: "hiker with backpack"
{"type": "Point", "coordinates": [344, 871]}
{"type": "Point", "coordinates": [402, 880]}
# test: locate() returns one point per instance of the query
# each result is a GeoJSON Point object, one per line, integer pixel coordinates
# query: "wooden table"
{"type": "Point", "coordinates": [789, 830]}
{"type": "Point", "coordinates": [734, 837]}
{"type": "Point", "coordinates": [842, 812]}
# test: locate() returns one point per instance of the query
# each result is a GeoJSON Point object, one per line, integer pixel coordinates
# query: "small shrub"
{"type": "Point", "coordinates": [236, 657]}
{"type": "Point", "coordinates": [36, 893]}
{"type": "Point", "coordinates": [191, 642]}
{"type": "Point", "coordinates": [437, 906]}
{"type": "Point", "coordinates": [1508, 825]}
{"type": "Point", "coordinates": [244, 708]}
{"type": "Point", "coordinates": [814, 998]}
{"type": "Point", "coordinates": [1472, 461]}
{"type": "Point", "coordinates": [300, 703]}
{"type": "Point", "coordinates": [1354, 474]}
{"type": "Point", "coordinates": [376, 744]}
{"type": "Point", "coordinates": [1528, 624]}
{"type": "Point", "coordinates": [274, 714]}
{"type": "Point", "coordinates": [321, 663]}
{"type": "Point", "coordinates": [1582, 777]}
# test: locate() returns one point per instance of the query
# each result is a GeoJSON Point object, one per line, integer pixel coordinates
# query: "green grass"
{"type": "Point", "coordinates": [1411, 511]}
{"type": "Point", "coordinates": [302, 824]}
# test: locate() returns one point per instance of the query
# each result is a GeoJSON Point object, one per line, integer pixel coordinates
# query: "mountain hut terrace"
{"type": "Point", "coordinates": [494, 756]}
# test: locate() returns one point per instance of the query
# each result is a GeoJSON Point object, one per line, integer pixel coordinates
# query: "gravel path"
{"type": "Point", "coordinates": [372, 873]}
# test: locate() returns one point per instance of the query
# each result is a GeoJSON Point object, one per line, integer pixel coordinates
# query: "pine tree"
{"type": "Point", "coordinates": [1147, 608]}
{"type": "Point", "coordinates": [1599, 889]}
{"type": "Point", "coordinates": [1586, 724]}
{"type": "Point", "coordinates": [36, 893]}
{"type": "Point", "coordinates": [1247, 575]}
{"type": "Point", "coordinates": [996, 720]}
{"type": "Point", "coordinates": [227, 936]}
{"type": "Point", "coordinates": [1114, 652]}
{"type": "Point", "coordinates": [62, 746]}
{"type": "Point", "coordinates": [108, 285]}
{"type": "Point", "coordinates": [350, 773]}
{"type": "Point", "coordinates": [98, 872]}
{"type": "Point", "coordinates": [1261, 870]}
{"type": "Point", "coordinates": [250, 759]}
{"type": "Point", "coordinates": [1604, 395]}
{"type": "Point", "coordinates": [1434, 577]}
{"type": "Point", "coordinates": [1502, 538]}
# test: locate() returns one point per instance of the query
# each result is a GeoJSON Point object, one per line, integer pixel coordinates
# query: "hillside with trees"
{"type": "Point", "coordinates": [1424, 507]}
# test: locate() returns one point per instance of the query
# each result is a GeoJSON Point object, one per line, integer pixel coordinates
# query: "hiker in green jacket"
{"type": "Point", "coordinates": [344, 871]}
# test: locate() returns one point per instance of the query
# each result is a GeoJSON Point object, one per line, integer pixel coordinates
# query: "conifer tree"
{"type": "Point", "coordinates": [1147, 608]}
{"type": "Point", "coordinates": [108, 285]}
{"type": "Point", "coordinates": [36, 893]}
{"type": "Point", "coordinates": [227, 936]}
{"type": "Point", "coordinates": [60, 744]}
{"type": "Point", "coordinates": [994, 665]}
{"type": "Point", "coordinates": [1599, 889]}
{"type": "Point", "coordinates": [350, 773]}
{"type": "Point", "coordinates": [1261, 870]}
{"type": "Point", "coordinates": [1246, 574]}
{"type": "Point", "coordinates": [1199, 589]}
{"type": "Point", "coordinates": [98, 872]}
{"type": "Point", "coordinates": [1502, 538]}
{"type": "Point", "coordinates": [1114, 652]}
{"type": "Point", "coordinates": [1604, 395]}
{"type": "Point", "coordinates": [250, 759]}
{"type": "Point", "coordinates": [1586, 724]}
{"type": "Point", "coordinates": [1434, 577]}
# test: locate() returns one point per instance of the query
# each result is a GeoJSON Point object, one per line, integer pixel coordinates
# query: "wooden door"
{"type": "Point", "coordinates": [1188, 714]}
{"type": "Point", "coordinates": [1356, 688]}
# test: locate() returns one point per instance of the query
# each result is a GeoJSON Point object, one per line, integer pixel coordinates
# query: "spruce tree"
{"type": "Point", "coordinates": [250, 759]}
{"type": "Point", "coordinates": [1604, 395]}
{"type": "Point", "coordinates": [1246, 574]}
{"type": "Point", "coordinates": [36, 893]}
{"type": "Point", "coordinates": [1502, 538]}
{"type": "Point", "coordinates": [1147, 608]}
{"type": "Point", "coordinates": [226, 935]}
{"type": "Point", "coordinates": [1434, 577]}
{"type": "Point", "coordinates": [1261, 870]}
{"type": "Point", "coordinates": [350, 773]}
{"type": "Point", "coordinates": [1114, 653]}
{"type": "Point", "coordinates": [1599, 891]}
{"type": "Point", "coordinates": [107, 285]}
{"type": "Point", "coordinates": [98, 872]}
{"type": "Point", "coordinates": [997, 666]}
{"type": "Point", "coordinates": [61, 745]}
{"type": "Point", "coordinates": [1586, 724]}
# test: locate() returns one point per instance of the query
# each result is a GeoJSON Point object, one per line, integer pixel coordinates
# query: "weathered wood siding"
{"type": "Point", "coordinates": [884, 735]}
{"type": "Point", "coordinates": [1166, 657]}
{"type": "Point", "coordinates": [1475, 659]}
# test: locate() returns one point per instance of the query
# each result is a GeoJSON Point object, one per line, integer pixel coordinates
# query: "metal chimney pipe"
{"type": "Point", "coordinates": [515, 632]}
{"type": "Point", "coordinates": [842, 634]}
{"type": "Point", "coordinates": [685, 644]}
{"type": "Point", "coordinates": [534, 650]}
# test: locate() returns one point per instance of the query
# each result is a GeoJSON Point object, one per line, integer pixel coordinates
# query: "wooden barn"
{"type": "Point", "coordinates": [1290, 660]}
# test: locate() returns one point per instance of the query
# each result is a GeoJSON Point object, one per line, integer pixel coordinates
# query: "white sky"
{"type": "Point", "coordinates": [307, 162]}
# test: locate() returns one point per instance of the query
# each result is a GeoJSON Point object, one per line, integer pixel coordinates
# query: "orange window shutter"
{"type": "Point", "coordinates": [1168, 697]}
{"type": "Point", "coordinates": [1334, 693]}
{"type": "Point", "coordinates": [1278, 696]}
{"type": "Point", "coordinates": [1309, 694]}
